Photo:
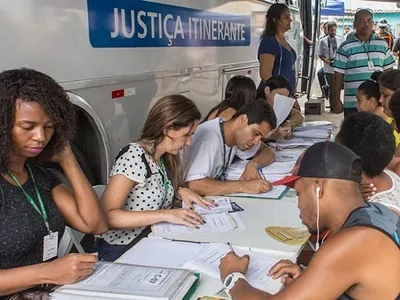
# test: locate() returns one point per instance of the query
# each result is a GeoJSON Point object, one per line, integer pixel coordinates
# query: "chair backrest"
{"type": "Point", "coordinates": [72, 237]}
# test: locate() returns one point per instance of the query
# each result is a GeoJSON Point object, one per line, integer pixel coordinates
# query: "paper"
{"type": "Point", "coordinates": [287, 155]}
{"type": "Point", "coordinates": [223, 205]}
{"type": "Point", "coordinates": [288, 235]}
{"type": "Point", "coordinates": [275, 193]}
{"type": "Point", "coordinates": [315, 125]}
{"type": "Point", "coordinates": [314, 133]}
{"type": "Point", "coordinates": [295, 142]}
{"type": "Point", "coordinates": [129, 282]}
{"type": "Point", "coordinates": [213, 223]}
{"type": "Point", "coordinates": [204, 257]}
{"type": "Point", "coordinates": [282, 108]}
{"type": "Point", "coordinates": [279, 168]}
{"type": "Point", "coordinates": [236, 218]}
{"type": "Point", "coordinates": [236, 170]}
{"type": "Point", "coordinates": [207, 261]}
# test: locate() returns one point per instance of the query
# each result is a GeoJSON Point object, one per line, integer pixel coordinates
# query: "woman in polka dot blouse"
{"type": "Point", "coordinates": [146, 177]}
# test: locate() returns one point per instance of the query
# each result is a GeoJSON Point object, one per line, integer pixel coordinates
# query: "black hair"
{"type": "Point", "coordinates": [370, 87]}
{"type": "Point", "coordinates": [360, 11]}
{"type": "Point", "coordinates": [239, 91]}
{"type": "Point", "coordinates": [390, 79]}
{"type": "Point", "coordinates": [257, 112]}
{"type": "Point", "coordinates": [274, 82]}
{"type": "Point", "coordinates": [394, 106]}
{"type": "Point", "coordinates": [28, 85]}
{"type": "Point", "coordinates": [274, 13]}
{"type": "Point", "coordinates": [371, 138]}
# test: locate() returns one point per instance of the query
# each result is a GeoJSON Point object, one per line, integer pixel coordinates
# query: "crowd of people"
{"type": "Point", "coordinates": [350, 187]}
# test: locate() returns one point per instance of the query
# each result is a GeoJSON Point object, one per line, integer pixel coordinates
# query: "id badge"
{"type": "Point", "coordinates": [371, 66]}
{"type": "Point", "coordinates": [50, 246]}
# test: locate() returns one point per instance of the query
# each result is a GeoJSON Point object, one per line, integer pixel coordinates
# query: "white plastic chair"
{"type": "Point", "coordinates": [73, 237]}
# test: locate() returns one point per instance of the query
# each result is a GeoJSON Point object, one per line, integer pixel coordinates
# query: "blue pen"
{"type": "Point", "coordinates": [259, 168]}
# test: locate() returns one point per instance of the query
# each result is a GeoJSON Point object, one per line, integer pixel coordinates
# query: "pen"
{"type": "Point", "coordinates": [261, 173]}
{"type": "Point", "coordinates": [230, 246]}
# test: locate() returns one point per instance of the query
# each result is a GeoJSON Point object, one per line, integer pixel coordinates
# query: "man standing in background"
{"type": "Point", "coordinates": [327, 52]}
{"type": "Point", "coordinates": [384, 32]}
{"type": "Point", "coordinates": [357, 58]}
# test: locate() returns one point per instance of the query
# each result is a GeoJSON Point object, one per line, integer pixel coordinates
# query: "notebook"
{"type": "Point", "coordinates": [123, 281]}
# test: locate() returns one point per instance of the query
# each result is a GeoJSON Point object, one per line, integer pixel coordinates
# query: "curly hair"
{"type": "Point", "coordinates": [28, 85]}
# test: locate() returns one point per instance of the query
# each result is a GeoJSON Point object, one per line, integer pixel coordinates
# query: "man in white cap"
{"type": "Point", "coordinates": [384, 33]}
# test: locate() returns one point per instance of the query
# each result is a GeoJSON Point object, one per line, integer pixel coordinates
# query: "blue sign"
{"type": "Point", "coordinates": [132, 23]}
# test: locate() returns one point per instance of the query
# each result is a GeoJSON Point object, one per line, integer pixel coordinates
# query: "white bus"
{"type": "Point", "coordinates": [115, 57]}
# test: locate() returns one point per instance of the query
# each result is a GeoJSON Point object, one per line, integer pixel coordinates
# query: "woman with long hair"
{"type": "Point", "coordinates": [146, 178]}
{"type": "Point", "coordinates": [389, 82]}
{"type": "Point", "coordinates": [37, 124]}
{"type": "Point", "coordinates": [279, 85]}
{"type": "Point", "coordinates": [275, 54]}
{"type": "Point", "coordinates": [239, 91]}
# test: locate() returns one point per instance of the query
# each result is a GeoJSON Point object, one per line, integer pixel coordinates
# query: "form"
{"type": "Point", "coordinates": [213, 223]}
{"type": "Point", "coordinates": [275, 193]}
{"type": "Point", "coordinates": [223, 205]}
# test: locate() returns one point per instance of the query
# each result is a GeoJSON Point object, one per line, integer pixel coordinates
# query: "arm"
{"type": "Point", "coordinates": [296, 118]}
{"type": "Point", "coordinates": [114, 197]}
{"type": "Point", "coordinates": [337, 88]}
{"type": "Point", "coordinates": [79, 206]}
{"type": "Point", "coordinates": [65, 270]}
{"type": "Point", "coordinates": [264, 157]}
{"type": "Point", "coordinates": [266, 65]}
{"type": "Point", "coordinates": [213, 187]}
{"type": "Point", "coordinates": [338, 256]}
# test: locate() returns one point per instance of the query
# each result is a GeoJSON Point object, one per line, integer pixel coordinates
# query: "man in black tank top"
{"type": "Point", "coordinates": [361, 260]}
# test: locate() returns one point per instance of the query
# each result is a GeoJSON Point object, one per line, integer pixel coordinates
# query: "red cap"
{"type": "Point", "coordinates": [288, 181]}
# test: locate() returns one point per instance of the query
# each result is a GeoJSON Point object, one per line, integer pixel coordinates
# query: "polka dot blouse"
{"type": "Point", "coordinates": [149, 193]}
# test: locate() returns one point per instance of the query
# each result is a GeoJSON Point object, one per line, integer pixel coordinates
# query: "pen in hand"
{"type": "Point", "coordinates": [261, 173]}
{"type": "Point", "coordinates": [230, 246]}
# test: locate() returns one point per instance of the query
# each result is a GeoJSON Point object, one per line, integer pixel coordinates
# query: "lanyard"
{"type": "Point", "coordinates": [367, 50]}
{"type": "Point", "coordinates": [225, 164]}
{"type": "Point", "coordinates": [331, 46]}
{"type": "Point", "coordinates": [41, 209]}
{"type": "Point", "coordinates": [163, 173]}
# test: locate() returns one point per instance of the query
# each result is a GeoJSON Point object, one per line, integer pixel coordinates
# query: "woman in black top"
{"type": "Point", "coordinates": [239, 91]}
{"type": "Point", "coordinates": [36, 124]}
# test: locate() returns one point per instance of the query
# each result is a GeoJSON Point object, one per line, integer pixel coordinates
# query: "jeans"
{"type": "Point", "coordinates": [329, 81]}
{"type": "Point", "coordinates": [322, 82]}
{"type": "Point", "coordinates": [108, 252]}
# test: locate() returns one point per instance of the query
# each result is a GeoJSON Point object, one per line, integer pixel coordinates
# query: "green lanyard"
{"type": "Point", "coordinates": [222, 177]}
{"type": "Point", "coordinates": [41, 209]}
{"type": "Point", "coordinates": [365, 48]}
{"type": "Point", "coordinates": [165, 179]}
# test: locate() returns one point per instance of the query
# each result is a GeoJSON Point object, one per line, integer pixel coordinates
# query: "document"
{"type": "Point", "coordinates": [120, 281]}
{"type": "Point", "coordinates": [282, 108]}
{"type": "Point", "coordinates": [203, 257]}
{"type": "Point", "coordinates": [287, 155]}
{"type": "Point", "coordinates": [294, 143]}
{"type": "Point", "coordinates": [279, 167]}
{"type": "Point", "coordinates": [313, 133]}
{"type": "Point", "coordinates": [213, 223]}
{"type": "Point", "coordinates": [207, 261]}
{"type": "Point", "coordinates": [275, 193]}
{"type": "Point", "coordinates": [223, 205]}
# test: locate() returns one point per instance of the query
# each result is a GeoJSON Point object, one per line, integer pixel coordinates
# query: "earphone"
{"type": "Point", "coordinates": [317, 190]}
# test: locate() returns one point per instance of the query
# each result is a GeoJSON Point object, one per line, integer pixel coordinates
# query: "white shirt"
{"type": "Point", "coordinates": [391, 197]}
{"type": "Point", "coordinates": [149, 193]}
{"type": "Point", "coordinates": [205, 157]}
{"type": "Point", "coordinates": [327, 50]}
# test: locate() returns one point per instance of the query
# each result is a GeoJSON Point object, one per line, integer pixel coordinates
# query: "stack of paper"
{"type": "Point", "coordinates": [317, 129]}
{"type": "Point", "coordinates": [294, 143]}
{"type": "Point", "coordinates": [120, 281]}
{"type": "Point", "coordinates": [287, 155]}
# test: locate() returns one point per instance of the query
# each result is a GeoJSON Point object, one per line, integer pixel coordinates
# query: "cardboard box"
{"type": "Point", "coordinates": [315, 107]}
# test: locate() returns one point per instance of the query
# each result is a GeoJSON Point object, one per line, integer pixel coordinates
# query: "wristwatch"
{"type": "Point", "coordinates": [231, 279]}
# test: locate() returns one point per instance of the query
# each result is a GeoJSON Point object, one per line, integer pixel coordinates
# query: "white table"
{"type": "Point", "coordinates": [257, 215]}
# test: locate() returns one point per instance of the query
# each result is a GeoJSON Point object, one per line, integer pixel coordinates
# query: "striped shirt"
{"type": "Point", "coordinates": [352, 60]}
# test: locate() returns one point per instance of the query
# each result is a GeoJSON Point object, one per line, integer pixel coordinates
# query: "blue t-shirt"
{"type": "Point", "coordinates": [285, 59]}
